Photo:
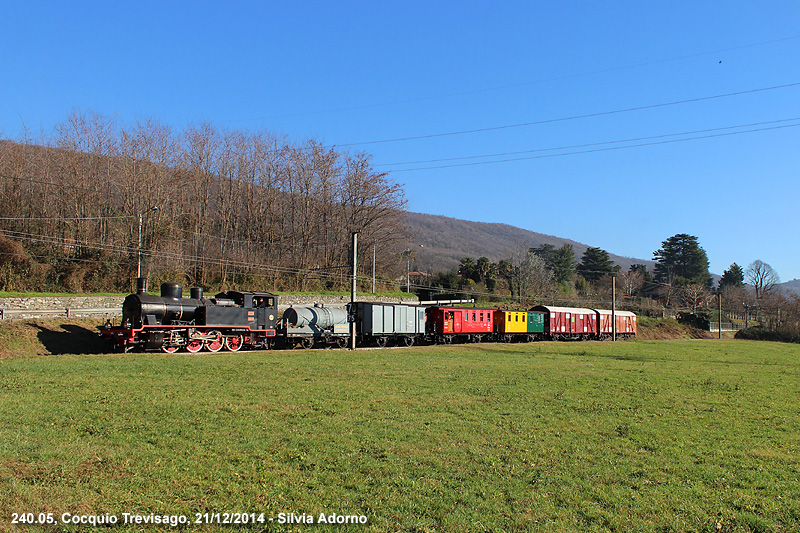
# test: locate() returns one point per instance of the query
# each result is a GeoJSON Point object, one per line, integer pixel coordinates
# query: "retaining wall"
{"type": "Point", "coordinates": [49, 306]}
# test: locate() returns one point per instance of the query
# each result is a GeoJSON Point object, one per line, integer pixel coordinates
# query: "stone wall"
{"type": "Point", "coordinates": [54, 306]}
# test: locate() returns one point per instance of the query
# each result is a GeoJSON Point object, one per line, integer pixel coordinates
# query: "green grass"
{"type": "Point", "coordinates": [633, 436]}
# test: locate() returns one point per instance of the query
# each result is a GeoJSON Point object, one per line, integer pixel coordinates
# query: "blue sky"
{"type": "Point", "coordinates": [577, 73]}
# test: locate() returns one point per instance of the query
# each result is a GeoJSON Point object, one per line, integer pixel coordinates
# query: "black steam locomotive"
{"type": "Point", "coordinates": [170, 322]}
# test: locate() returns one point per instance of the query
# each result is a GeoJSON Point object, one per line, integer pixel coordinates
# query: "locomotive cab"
{"type": "Point", "coordinates": [256, 310]}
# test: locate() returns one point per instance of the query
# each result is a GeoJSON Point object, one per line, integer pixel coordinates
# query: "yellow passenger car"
{"type": "Point", "coordinates": [511, 321]}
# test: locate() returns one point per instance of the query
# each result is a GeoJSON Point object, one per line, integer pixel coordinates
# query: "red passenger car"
{"type": "Point", "coordinates": [564, 323]}
{"type": "Point", "coordinates": [459, 324]}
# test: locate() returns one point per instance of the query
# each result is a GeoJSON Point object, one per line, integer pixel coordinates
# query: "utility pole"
{"type": "Point", "coordinates": [614, 308]}
{"type": "Point", "coordinates": [408, 271]}
{"type": "Point", "coordinates": [139, 250]}
{"type": "Point", "coordinates": [139, 246]}
{"type": "Point", "coordinates": [719, 306]}
{"type": "Point", "coordinates": [353, 293]}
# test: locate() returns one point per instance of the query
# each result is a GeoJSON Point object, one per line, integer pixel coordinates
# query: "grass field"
{"type": "Point", "coordinates": [632, 436]}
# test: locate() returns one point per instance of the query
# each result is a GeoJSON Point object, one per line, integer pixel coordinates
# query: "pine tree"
{"type": "Point", "coordinates": [563, 264]}
{"type": "Point", "coordinates": [596, 264]}
{"type": "Point", "coordinates": [681, 261]}
{"type": "Point", "coordinates": [733, 277]}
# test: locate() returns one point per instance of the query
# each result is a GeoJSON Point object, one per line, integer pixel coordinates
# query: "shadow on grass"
{"type": "Point", "coordinates": [70, 339]}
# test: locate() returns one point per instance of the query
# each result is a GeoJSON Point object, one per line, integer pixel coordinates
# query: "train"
{"type": "Point", "coordinates": [247, 320]}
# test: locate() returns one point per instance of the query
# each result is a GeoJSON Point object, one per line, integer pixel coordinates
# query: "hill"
{"type": "Point", "coordinates": [445, 241]}
{"type": "Point", "coordinates": [790, 287]}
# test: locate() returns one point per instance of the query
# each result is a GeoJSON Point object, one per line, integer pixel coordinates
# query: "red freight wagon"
{"type": "Point", "coordinates": [561, 323]}
{"type": "Point", "coordinates": [626, 323]}
{"type": "Point", "coordinates": [459, 323]}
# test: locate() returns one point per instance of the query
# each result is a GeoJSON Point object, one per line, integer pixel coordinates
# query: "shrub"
{"type": "Point", "coordinates": [763, 334]}
{"type": "Point", "coordinates": [699, 320]}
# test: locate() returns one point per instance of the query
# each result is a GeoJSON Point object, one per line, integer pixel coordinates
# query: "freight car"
{"type": "Point", "coordinates": [314, 326]}
{"type": "Point", "coordinates": [625, 323]}
{"type": "Point", "coordinates": [568, 323]}
{"type": "Point", "coordinates": [382, 324]}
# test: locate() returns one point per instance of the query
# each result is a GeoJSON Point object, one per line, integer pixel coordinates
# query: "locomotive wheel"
{"type": "Point", "coordinates": [381, 341]}
{"type": "Point", "coordinates": [234, 344]}
{"type": "Point", "coordinates": [408, 341]}
{"type": "Point", "coordinates": [306, 343]}
{"type": "Point", "coordinates": [216, 344]}
{"type": "Point", "coordinates": [194, 346]}
{"type": "Point", "coordinates": [341, 342]}
{"type": "Point", "coordinates": [171, 348]}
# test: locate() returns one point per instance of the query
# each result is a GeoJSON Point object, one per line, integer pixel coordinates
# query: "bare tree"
{"type": "Point", "coordinates": [694, 295]}
{"type": "Point", "coordinates": [762, 277]}
{"type": "Point", "coordinates": [526, 273]}
{"type": "Point", "coordinates": [631, 281]}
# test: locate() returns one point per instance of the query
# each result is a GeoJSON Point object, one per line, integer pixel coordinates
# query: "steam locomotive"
{"type": "Point", "coordinates": [170, 322]}
{"type": "Point", "coordinates": [235, 320]}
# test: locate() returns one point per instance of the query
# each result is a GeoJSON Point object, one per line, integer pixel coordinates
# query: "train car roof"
{"type": "Point", "coordinates": [579, 310]}
{"type": "Point", "coordinates": [617, 312]}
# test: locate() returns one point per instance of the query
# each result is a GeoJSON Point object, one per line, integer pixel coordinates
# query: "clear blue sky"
{"type": "Point", "coordinates": [359, 72]}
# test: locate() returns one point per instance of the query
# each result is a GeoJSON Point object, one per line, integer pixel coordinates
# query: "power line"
{"type": "Point", "coordinates": [575, 117]}
{"type": "Point", "coordinates": [597, 150]}
{"type": "Point", "coordinates": [569, 147]}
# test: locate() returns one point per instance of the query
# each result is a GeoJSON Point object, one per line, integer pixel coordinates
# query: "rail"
{"type": "Point", "coordinates": [68, 312]}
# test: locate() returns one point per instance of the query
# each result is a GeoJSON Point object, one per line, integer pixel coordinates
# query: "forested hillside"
{"type": "Point", "coordinates": [209, 206]}
{"type": "Point", "coordinates": [445, 241]}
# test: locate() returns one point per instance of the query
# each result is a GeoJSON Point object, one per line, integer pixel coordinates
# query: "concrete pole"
{"type": "Point", "coordinates": [719, 305]}
{"type": "Point", "coordinates": [353, 292]}
{"type": "Point", "coordinates": [408, 271]}
{"type": "Point", "coordinates": [139, 250]}
{"type": "Point", "coordinates": [613, 308]}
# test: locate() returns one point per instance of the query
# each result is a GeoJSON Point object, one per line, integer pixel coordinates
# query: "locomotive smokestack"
{"type": "Point", "coordinates": [141, 285]}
